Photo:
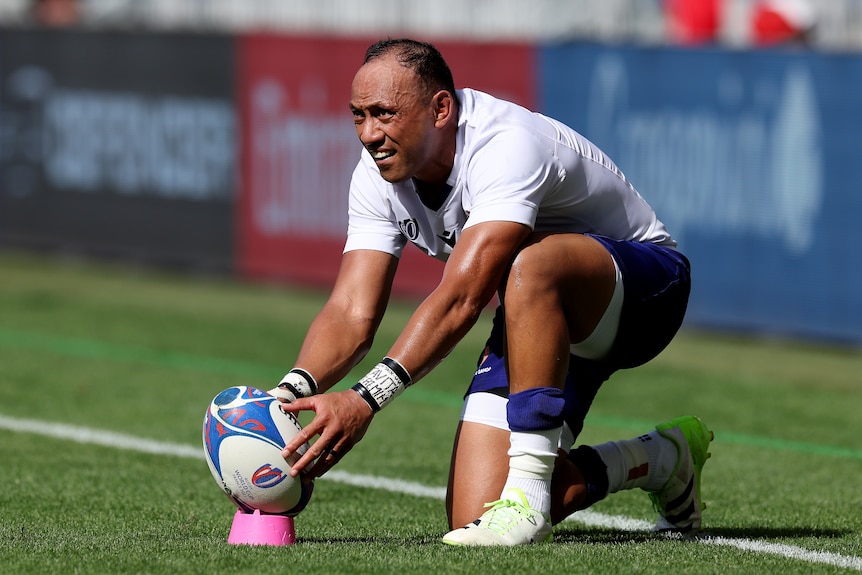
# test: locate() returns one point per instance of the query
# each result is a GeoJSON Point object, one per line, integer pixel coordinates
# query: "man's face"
{"type": "Point", "coordinates": [394, 119]}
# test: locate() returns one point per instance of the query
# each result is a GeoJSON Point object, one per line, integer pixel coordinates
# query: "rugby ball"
{"type": "Point", "coordinates": [244, 432]}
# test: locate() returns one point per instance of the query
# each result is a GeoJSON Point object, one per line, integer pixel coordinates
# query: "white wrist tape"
{"type": "Point", "coordinates": [383, 384]}
{"type": "Point", "coordinates": [295, 384]}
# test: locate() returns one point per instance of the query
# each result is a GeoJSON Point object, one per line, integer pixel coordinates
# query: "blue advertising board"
{"type": "Point", "coordinates": [751, 158]}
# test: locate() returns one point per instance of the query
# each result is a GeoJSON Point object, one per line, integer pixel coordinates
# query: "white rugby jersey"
{"type": "Point", "coordinates": [511, 164]}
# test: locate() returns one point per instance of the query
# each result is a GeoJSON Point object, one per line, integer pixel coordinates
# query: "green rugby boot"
{"type": "Point", "coordinates": [678, 502]}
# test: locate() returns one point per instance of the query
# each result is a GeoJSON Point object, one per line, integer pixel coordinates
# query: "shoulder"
{"type": "Point", "coordinates": [482, 110]}
{"type": "Point", "coordinates": [488, 121]}
{"type": "Point", "coordinates": [498, 136]}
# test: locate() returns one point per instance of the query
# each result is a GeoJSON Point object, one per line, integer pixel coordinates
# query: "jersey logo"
{"type": "Point", "coordinates": [409, 228]}
{"type": "Point", "coordinates": [449, 238]}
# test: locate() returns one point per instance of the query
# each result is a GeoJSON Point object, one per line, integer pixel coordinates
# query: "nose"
{"type": "Point", "coordinates": [369, 132]}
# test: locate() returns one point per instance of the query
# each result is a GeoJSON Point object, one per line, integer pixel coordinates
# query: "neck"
{"type": "Point", "coordinates": [432, 195]}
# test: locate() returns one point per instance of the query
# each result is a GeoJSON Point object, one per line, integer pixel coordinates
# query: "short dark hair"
{"type": "Point", "coordinates": [421, 57]}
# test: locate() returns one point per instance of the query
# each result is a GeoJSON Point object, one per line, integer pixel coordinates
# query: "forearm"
{"type": "Point", "coordinates": [333, 346]}
{"type": "Point", "coordinates": [439, 323]}
{"type": "Point", "coordinates": [472, 275]}
{"type": "Point", "coordinates": [433, 330]}
{"type": "Point", "coordinates": [342, 333]}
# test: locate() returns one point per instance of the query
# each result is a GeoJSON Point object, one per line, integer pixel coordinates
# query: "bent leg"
{"type": "Point", "coordinates": [557, 291]}
{"type": "Point", "coordinates": [573, 278]}
{"type": "Point", "coordinates": [555, 294]}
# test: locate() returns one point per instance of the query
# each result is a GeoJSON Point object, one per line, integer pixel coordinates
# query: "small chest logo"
{"type": "Point", "coordinates": [409, 228]}
{"type": "Point", "coordinates": [449, 238]}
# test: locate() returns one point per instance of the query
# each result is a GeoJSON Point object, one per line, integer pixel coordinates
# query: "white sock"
{"type": "Point", "coordinates": [645, 461]}
{"type": "Point", "coordinates": [531, 465]}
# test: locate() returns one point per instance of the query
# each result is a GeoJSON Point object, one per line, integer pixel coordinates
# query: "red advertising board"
{"type": "Point", "coordinates": [299, 148]}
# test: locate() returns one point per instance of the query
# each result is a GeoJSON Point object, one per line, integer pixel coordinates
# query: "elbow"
{"type": "Point", "coordinates": [472, 308]}
{"type": "Point", "coordinates": [468, 308]}
{"type": "Point", "coordinates": [363, 329]}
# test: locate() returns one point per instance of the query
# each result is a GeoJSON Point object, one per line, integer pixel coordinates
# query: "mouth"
{"type": "Point", "coordinates": [381, 155]}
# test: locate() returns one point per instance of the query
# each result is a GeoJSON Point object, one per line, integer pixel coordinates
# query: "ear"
{"type": "Point", "coordinates": [443, 107]}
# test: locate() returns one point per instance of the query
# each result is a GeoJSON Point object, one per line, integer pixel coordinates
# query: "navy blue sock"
{"type": "Point", "coordinates": [594, 470]}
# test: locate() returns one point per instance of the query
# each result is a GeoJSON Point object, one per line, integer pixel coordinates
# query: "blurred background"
{"type": "Point", "coordinates": [213, 136]}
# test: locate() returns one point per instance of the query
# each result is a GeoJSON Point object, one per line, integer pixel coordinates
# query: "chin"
{"type": "Point", "coordinates": [394, 177]}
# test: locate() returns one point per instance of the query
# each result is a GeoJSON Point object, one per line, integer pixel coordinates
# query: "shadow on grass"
{"type": "Point", "coordinates": [599, 536]}
{"type": "Point", "coordinates": [375, 540]}
{"type": "Point", "coordinates": [615, 536]}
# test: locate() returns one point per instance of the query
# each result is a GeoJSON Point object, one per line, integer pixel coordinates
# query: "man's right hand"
{"type": "Point", "coordinates": [340, 421]}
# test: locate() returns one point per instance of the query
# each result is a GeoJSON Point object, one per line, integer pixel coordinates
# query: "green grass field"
{"type": "Point", "coordinates": [99, 364]}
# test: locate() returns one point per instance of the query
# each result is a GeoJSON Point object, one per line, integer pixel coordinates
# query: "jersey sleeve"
{"type": "Point", "coordinates": [370, 221]}
{"type": "Point", "coordinates": [508, 175]}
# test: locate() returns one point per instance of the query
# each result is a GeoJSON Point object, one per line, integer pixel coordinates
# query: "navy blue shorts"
{"type": "Point", "coordinates": [657, 283]}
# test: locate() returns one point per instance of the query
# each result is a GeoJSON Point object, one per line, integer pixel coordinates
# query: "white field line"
{"type": "Point", "coordinates": [590, 518]}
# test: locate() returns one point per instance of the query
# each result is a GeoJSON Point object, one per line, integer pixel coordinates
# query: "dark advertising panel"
{"type": "Point", "coordinates": [118, 144]}
{"type": "Point", "coordinates": [299, 148]}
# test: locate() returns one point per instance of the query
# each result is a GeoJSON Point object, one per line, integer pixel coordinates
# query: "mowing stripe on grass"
{"type": "Point", "coordinates": [89, 348]}
{"type": "Point", "coordinates": [589, 518]}
{"type": "Point", "coordinates": [737, 438]}
{"type": "Point", "coordinates": [101, 350]}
